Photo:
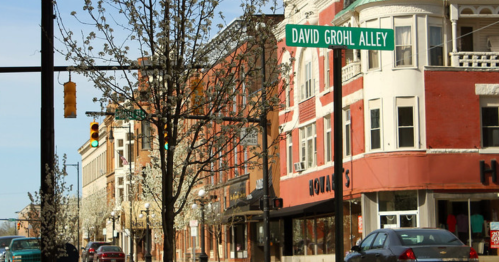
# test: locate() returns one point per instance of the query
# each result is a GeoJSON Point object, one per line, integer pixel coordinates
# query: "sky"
{"type": "Point", "coordinates": [20, 102]}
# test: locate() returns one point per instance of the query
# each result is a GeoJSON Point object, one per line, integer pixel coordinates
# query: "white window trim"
{"type": "Point", "coordinates": [414, 41]}
{"type": "Point", "coordinates": [408, 101]}
{"type": "Point", "coordinates": [347, 121]}
{"type": "Point", "coordinates": [328, 128]}
{"type": "Point", "coordinates": [374, 104]}
{"type": "Point", "coordinates": [303, 143]}
{"type": "Point", "coordinates": [289, 147]}
{"type": "Point", "coordinates": [487, 101]}
{"type": "Point", "coordinates": [433, 22]}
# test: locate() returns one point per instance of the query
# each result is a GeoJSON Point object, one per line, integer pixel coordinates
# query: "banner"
{"type": "Point", "coordinates": [494, 234]}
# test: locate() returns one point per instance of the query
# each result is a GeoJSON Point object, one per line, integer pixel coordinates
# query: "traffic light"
{"type": "Point", "coordinates": [18, 225]}
{"type": "Point", "coordinates": [94, 134]}
{"type": "Point", "coordinates": [69, 100]}
{"type": "Point", "coordinates": [166, 137]}
{"type": "Point", "coordinates": [277, 203]}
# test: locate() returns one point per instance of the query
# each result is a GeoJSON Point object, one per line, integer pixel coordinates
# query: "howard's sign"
{"type": "Point", "coordinates": [351, 37]}
{"type": "Point", "coordinates": [321, 184]}
{"type": "Point", "coordinates": [325, 184]}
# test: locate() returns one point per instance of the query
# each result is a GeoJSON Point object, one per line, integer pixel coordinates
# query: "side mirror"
{"type": "Point", "coordinates": [356, 248]}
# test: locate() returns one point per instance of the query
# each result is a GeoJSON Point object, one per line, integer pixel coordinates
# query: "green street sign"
{"type": "Point", "coordinates": [12, 219]}
{"type": "Point", "coordinates": [351, 37]}
{"type": "Point", "coordinates": [136, 114]}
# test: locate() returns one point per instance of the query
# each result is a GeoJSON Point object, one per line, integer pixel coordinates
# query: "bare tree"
{"type": "Point", "coordinates": [7, 228]}
{"type": "Point", "coordinates": [197, 91]}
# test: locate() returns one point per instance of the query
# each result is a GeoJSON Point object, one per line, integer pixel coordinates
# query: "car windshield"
{"type": "Point", "coordinates": [25, 244]}
{"type": "Point", "coordinates": [5, 242]}
{"type": "Point", "coordinates": [111, 248]}
{"type": "Point", "coordinates": [427, 237]}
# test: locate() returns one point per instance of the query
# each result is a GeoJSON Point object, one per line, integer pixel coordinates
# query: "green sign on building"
{"type": "Point", "coordinates": [351, 37]}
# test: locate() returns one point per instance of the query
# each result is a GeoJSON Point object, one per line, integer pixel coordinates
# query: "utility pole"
{"type": "Point", "coordinates": [47, 230]}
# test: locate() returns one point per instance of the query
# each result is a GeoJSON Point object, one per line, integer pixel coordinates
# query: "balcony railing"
{"type": "Point", "coordinates": [350, 70]}
{"type": "Point", "coordinates": [475, 59]}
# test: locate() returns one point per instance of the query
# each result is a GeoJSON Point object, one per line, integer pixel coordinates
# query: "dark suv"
{"type": "Point", "coordinates": [87, 254]}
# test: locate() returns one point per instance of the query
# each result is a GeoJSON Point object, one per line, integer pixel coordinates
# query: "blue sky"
{"type": "Point", "coordinates": [20, 102]}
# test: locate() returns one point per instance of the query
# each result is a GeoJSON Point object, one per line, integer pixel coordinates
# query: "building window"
{"type": "Point", "coordinates": [308, 146]}
{"type": "Point", "coordinates": [436, 46]}
{"type": "Point", "coordinates": [373, 55]}
{"type": "Point", "coordinates": [398, 209]}
{"type": "Point", "coordinates": [405, 117]}
{"type": "Point", "coordinates": [490, 126]}
{"type": "Point", "coordinates": [347, 132]}
{"type": "Point", "coordinates": [236, 167]}
{"type": "Point", "coordinates": [327, 76]}
{"type": "Point", "coordinates": [289, 151]}
{"type": "Point", "coordinates": [146, 134]}
{"type": "Point", "coordinates": [328, 140]}
{"type": "Point", "coordinates": [307, 82]}
{"type": "Point", "coordinates": [220, 166]}
{"type": "Point", "coordinates": [120, 159]}
{"type": "Point", "coordinates": [375, 127]}
{"type": "Point", "coordinates": [403, 41]}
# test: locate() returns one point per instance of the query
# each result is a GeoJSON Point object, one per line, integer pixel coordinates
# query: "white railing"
{"type": "Point", "coordinates": [475, 59]}
{"type": "Point", "coordinates": [350, 70]}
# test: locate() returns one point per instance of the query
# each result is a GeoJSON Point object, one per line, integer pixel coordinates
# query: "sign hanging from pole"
{"type": "Point", "coordinates": [351, 37]}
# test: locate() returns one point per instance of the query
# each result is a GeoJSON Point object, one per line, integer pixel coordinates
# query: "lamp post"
{"type": "Point", "coordinates": [148, 239]}
{"type": "Point", "coordinates": [113, 217]}
{"type": "Point", "coordinates": [111, 139]}
{"type": "Point", "coordinates": [77, 165]}
{"type": "Point", "coordinates": [203, 257]}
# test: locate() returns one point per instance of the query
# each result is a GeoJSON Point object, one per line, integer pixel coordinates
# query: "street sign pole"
{"type": "Point", "coordinates": [339, 39]}
{"type": "Point", "coordinates": [338, 150]}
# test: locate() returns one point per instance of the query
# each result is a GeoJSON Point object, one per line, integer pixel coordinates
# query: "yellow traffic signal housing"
{"type": "Point", "coordinates": [94, 134]}
{"type": "Point", "coordinates": [69, 100]}
{"type": "Point", "coordinates": [18, 225]}
{"type": "Point", "coordinates": [166, 137]}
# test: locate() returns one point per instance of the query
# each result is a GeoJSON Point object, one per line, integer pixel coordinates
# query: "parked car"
{"type": "Point", "coordinates": [23, 250]}
{"type": "Point", "coordinates": [411, 244]}
{"type": "Point", "coordinates": [107, 253]}
{"type": "Point", "coordinates": [87, 254]}
{"type": "Point", "coordinates": [5, 242]}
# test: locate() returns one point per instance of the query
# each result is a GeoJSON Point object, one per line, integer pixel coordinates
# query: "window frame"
{"type": "Point", "coordinates": [307, 80]}
{"type": "Point", "coordinates": [432, 47]}
{"type": "Point", "coordinates": [305, 140]}
{"type": "Point", "coordinates": [327, 68]}
{"type": "Point", "coordinates": [373, 24]}
{"type": "Point", "coordinates": [400, 22]}
{"type": "Point", "coordinates": [347, 132]}
{"type": "Point", "coordinates": [328, 139]}
{"type": "Point", "coordinates": [375, 104]}
{"type": "Point", "coordinates": [487, 102]}
{"type": "Point", "coordinates": [403, 102]}
{"type": "Point", "coordinates": [289, 152]}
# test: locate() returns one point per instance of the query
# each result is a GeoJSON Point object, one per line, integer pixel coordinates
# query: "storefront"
{"type": "Point", "coordinates": [469, 216]}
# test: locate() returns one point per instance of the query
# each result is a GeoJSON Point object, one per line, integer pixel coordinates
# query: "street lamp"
{"type": "Point", "coordinates": [148, 239]}
{"type": "Point", "coordinates": [113, 217]}
{"type": "Point", "coordinates": [202, 200]}
{"type": "Point", "coordinates": [111, 139]}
